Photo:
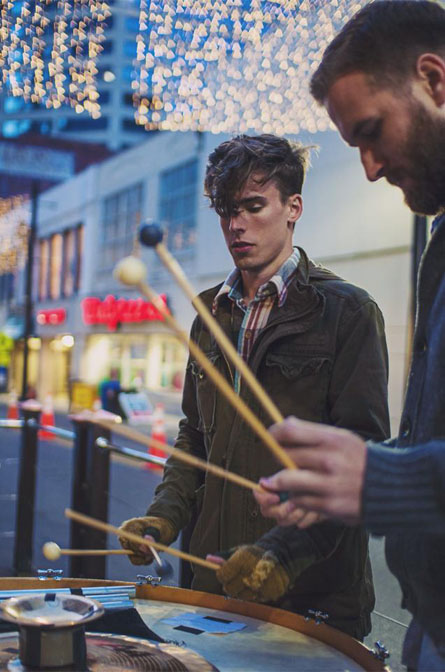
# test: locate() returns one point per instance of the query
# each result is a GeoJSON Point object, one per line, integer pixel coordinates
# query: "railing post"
{"type": "Point", "coordinates": [91, 475]}
{"type": "Point", "coordinates": [26, 488]}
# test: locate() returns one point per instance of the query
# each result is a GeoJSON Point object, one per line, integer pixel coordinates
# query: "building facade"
{"type": "Point", "coordinates": [87, 324]}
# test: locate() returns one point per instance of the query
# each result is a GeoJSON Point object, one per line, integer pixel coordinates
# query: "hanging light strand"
{"type": "Point", "coordinates": [49, 51]}
{"type": "Point", "coordinates": [233, 66]}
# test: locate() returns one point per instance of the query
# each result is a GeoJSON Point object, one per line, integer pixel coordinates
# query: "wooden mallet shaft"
{"type": "Point", "coordinates": [181, 455]}
{"type": "Point", "coordinates": [136, 539]}
{"type": "Point", "coordinates": [218, 379]}
{"type": "Point", "coordinates": [105, 551]}
{"type": "Point", "coordinates": [95, 551]}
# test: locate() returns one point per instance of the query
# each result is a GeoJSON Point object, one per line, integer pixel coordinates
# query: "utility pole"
{"type": "Point", "coordinates": [28, 326]}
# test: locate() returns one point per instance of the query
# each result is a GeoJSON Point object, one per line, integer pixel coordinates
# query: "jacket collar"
{"type": "Point", "coordinates": [304, 304]}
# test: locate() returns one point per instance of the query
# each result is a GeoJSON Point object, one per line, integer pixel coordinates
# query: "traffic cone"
{"type": "Point", "coordinates": [158, 434]}
{"type": "Point", "coordinates": [47, 418]}
{"type": "Point", "coordinates": [13, 407]}
{"type": "Point", "coordinates": [97, 406]}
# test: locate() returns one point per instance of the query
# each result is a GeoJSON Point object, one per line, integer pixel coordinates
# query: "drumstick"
{"type": "Point", "coordinates": [136, 539]}
{"type": "Point", "coordinates": [52, 551]}
{"type": "Point", "coordinates": [194, 461]}
{"type": "Point", "coordinates": [132, 271]}
{"type": "Point", "coordinates": [151, 235]}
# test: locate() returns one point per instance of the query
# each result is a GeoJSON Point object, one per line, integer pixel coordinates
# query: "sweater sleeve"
{"type": "Point", "coordinates": [405, 489]}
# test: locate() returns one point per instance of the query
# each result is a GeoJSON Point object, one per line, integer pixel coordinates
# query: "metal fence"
{"type": "Point", "coordinates": [92, 451]}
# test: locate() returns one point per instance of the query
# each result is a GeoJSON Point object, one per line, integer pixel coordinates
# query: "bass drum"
{"type": "Point", "coordinates": [231, 635]}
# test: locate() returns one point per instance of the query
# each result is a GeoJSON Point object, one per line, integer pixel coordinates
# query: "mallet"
{"type": "Point", "coordinates": [53, 552]}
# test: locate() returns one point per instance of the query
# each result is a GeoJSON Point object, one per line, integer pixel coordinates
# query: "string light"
{"type": "Point", "coordinates": [49, 50]}
{"type": "Point", "coordinates": [233, 65]}
{"type": "Point", "coordinates": [14, 231]}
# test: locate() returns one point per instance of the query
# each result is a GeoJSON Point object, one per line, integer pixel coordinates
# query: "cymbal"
{"type": "Point", "coordinates": [116, 653]}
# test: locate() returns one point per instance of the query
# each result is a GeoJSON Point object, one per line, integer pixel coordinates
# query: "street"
{"type": "Point", "coordinates": [131, 489]}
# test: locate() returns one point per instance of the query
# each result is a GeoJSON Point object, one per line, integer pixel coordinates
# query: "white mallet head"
{"type": "Point", "coordinates": [51, 550]}
{"type": "Point", "coordinates": [130, 271]}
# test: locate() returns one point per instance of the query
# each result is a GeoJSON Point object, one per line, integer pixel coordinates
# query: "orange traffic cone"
{"type": "Point", "coordinates": [97, 406]}
{"type": "Point", "coordinates": [158, 434]}
{"type": "Point", "coordinates": [13, 407]}
{"type": "Point", "coordinates": [47, 418]}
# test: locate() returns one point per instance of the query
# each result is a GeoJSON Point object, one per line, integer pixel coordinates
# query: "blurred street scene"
{"type": "Point", "coordinates": [108, 113]}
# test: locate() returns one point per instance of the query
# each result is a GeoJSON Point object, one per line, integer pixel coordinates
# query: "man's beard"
{"type": "Point", "coordinates": [425, 161]}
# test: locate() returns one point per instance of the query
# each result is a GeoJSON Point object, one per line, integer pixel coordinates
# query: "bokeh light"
{"type": "Point", "coordinates": [49, 50]}
{"type": "Point", "coordinates": [233, 66]}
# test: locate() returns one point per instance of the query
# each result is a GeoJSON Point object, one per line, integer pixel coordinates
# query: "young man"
{"type": "Point", "coordinates": [315, 342]}
{"type": "Point", "coordinates": [382, 80]}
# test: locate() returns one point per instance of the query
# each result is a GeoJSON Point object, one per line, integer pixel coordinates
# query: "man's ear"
{"type": "Point", "coordinates": [431, 70]}
{"type": "Point", "coordinates": [296, 208]}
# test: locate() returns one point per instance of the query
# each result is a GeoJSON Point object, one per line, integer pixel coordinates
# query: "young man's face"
{"type": "Point", "coordinates": [259, 233]}
{"type": "Point", "coordinates": [400, 136]}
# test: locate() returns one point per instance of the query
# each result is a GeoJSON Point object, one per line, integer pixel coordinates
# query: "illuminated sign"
{"type": "Point", "coordinates": [112, 311]}
{"type": "Point", "coordinates": [51, 317]}
{"type": "Point", "coordinates": [6, 346]}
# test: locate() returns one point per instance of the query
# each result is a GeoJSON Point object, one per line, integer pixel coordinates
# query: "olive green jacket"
{"type": "Point", "coordinates": [321, 357]}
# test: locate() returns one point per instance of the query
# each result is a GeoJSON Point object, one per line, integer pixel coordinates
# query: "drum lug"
{"type": "Point", "coordinates": [380, 651]}
{"type": "Point", "coordinates": [147, 579]}
{"type": "Point", "coordinates": [44, 574]}
{"type": "Point", "coordinates": [317, 615]}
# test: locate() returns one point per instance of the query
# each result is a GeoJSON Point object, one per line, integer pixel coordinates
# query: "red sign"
{"type": "Point", "coordinates": [112, 311]}
{"type": "Point", "coordinates": [54, 316]}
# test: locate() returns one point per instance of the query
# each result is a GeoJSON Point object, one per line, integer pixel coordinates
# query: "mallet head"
{"type": "Point", "coordinates": [51, 551]}
{"type": "Point", "coordinates": [130, 271]}
{"type": "Point", "coordinates": [150, 233]}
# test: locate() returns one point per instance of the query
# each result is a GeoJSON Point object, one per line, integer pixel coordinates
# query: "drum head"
{"type": "Point", "coordinates": [114, 653]}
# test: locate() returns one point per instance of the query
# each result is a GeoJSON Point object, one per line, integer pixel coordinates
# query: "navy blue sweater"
{"type": "Point", "coordinates": [404, 494]}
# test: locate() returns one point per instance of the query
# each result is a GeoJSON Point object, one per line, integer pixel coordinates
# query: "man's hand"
{"type": "Point", "coordinates": [251, 573]}
{"type": "Point", "coordinates": [329, 479]}
{"type": "Point", "coordinates": [152, 529]}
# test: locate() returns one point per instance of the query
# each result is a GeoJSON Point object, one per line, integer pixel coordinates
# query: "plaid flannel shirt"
{"type": "Point", "coordinates": [257, 311]}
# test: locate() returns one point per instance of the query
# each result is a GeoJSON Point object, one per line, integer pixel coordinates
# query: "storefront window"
{"type": "Point", "coordinates": [43, 269]}
{"type": "Point", "coordinates": [72, 258]}
{"type": "Point", "coordinates": [152, 362]}
{"type": "Point", "coordinates": [79, 255]}
{"type": "Point", "coordinates": [55, 279]}
{"type": "Point", "coordinates": [69, 262]}
{"type": "Point", "coordinates": [177, 207]}
{"type": "Point", "coordinates": [121, 215]}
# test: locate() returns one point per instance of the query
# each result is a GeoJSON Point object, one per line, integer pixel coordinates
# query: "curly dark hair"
{"type": "Point", "coordinates": [268, 157]}
{"type": "Point", "coordinates": [383, 40]}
